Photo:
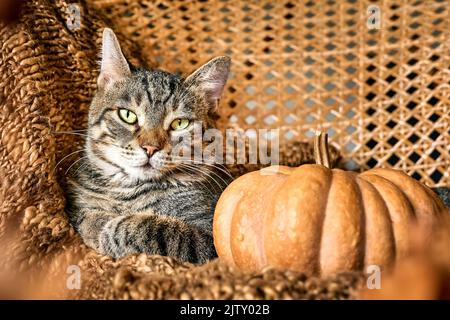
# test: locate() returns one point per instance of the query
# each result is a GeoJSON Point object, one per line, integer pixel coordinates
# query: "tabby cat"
{"type": "Point", "coordinates": [130, 194]}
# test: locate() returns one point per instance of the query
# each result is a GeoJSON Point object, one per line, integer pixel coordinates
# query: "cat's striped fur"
{"type": "Point", "coordinates": [164, 217]}
{"type": "Point", "coordinates": [122, 200]}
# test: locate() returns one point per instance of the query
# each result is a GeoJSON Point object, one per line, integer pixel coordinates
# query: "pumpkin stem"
{"type": "Point", "coordinates": [321, 153]}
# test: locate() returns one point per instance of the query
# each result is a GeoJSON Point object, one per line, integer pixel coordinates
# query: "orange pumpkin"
{"type": "Point", "coordinates": [319, 220]}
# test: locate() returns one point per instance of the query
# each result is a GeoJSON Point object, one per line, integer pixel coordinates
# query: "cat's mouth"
{"type": "Point", "coordinates": [150, 167]}
{"type": "Point", "coordinates": [147, 165]}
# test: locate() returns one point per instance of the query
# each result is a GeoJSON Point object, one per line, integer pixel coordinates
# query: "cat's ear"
{"type": "Point", "coordinates": [114, 66]}
{"type": "Point", "coordinates": [210, 78]}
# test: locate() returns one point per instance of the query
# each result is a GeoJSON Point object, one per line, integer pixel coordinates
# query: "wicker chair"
{"type": "Point", "coordinates": [373, 74]}
{"type": "Point", "coordinates": [381, 94]}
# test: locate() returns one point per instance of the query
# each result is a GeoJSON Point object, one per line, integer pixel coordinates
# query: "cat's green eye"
{"type": "Point", "coordinates": [179, 124]}
{"type": "Point", "coordinates": [128, 116]}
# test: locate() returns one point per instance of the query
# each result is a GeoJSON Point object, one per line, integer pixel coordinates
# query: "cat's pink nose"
{"type": "Point", "coordinates": [150, 150]}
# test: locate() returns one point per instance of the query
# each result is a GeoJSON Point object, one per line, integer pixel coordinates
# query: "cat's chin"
{"type": "Point", "coordinates": [144, 173]}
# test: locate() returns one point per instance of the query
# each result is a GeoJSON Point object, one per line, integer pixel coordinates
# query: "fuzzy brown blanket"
{"type": "Point", "coordinates": [48, 75]}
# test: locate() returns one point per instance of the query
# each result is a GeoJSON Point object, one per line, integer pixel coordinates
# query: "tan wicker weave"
{"type": "Point", "coordinates": [382, 95]}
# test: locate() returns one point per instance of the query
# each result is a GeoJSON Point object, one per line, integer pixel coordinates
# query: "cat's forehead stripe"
{"type": "Point", "coordinates": [138, 98]}
{"type": "Point", "coordinates": [126, 97]}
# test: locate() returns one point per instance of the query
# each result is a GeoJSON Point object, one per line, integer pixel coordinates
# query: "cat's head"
{"type": "Point", "coordinates": [138, 117]}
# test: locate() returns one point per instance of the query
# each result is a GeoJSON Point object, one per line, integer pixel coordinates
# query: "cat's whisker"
{"type": "Point", "coordinates": [81, 166]}
{"type": "Point", "coordinates": [115, 145]}
{"type": "Point", "coordinates": [65, 157]}
{"type": "Point", "coordinates": [110, 144]}
{"type": "Point", "coordinates": [202, 185]}
{"type": "Point", "coordinates": [199, 170]}
{"type": "Point", "coordinates": [217, 175]}
{"type": "Point", "coordinates": [68, 169]}
{"type": "Point", "coordinates": [228, 174]}
{"type": "Point", "coordinates": [78, 134]}
{"type": "Point", "coordinates": [217, 166]}
{"type": "Point", "coordinates": [222, 169]}
{"type": "Point", "coordinates": [183, 169]}
{"type": "Point", "coordinates": [72, 133]}
{"type": "Point", "coordinates": [192, 170]}
{"type": "Point", "coordinates": [88, 136]}
{"type": "Point", "coordinates": [222, 185]}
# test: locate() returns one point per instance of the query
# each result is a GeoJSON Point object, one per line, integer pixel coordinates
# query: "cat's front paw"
{"type": "Point", "coordinates": [111, 240]}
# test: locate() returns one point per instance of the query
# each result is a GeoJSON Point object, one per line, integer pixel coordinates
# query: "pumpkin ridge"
{"type": "Point", "coordinates": [322, 220]}
{"type": "Point", "coordinates": [391, 224]}
{"type": "Point", "coordinates": [421, 195]}
{"type": "Point", "coordinates": [401, 191]}
{"type": "Point", "coordinates": [222, 238]}
{"type": "Point", "coordinates": [363, 222]}
{"type": "Point", "coordinates": [235, 252]}
{"type": "Point", "coordinates": [341, 226]}
{"type": "Point", "coordinates": [262, 238]}
{"type": "Point", "coordinates": [233, 220]}
{"type": "Point", "coordinates": [246, 233]}
{"type": "Point", "coordinates": [292, 235]}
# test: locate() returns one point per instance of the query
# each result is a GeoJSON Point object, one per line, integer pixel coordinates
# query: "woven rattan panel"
{"type": "Point", "coordinates": [381, 94]}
